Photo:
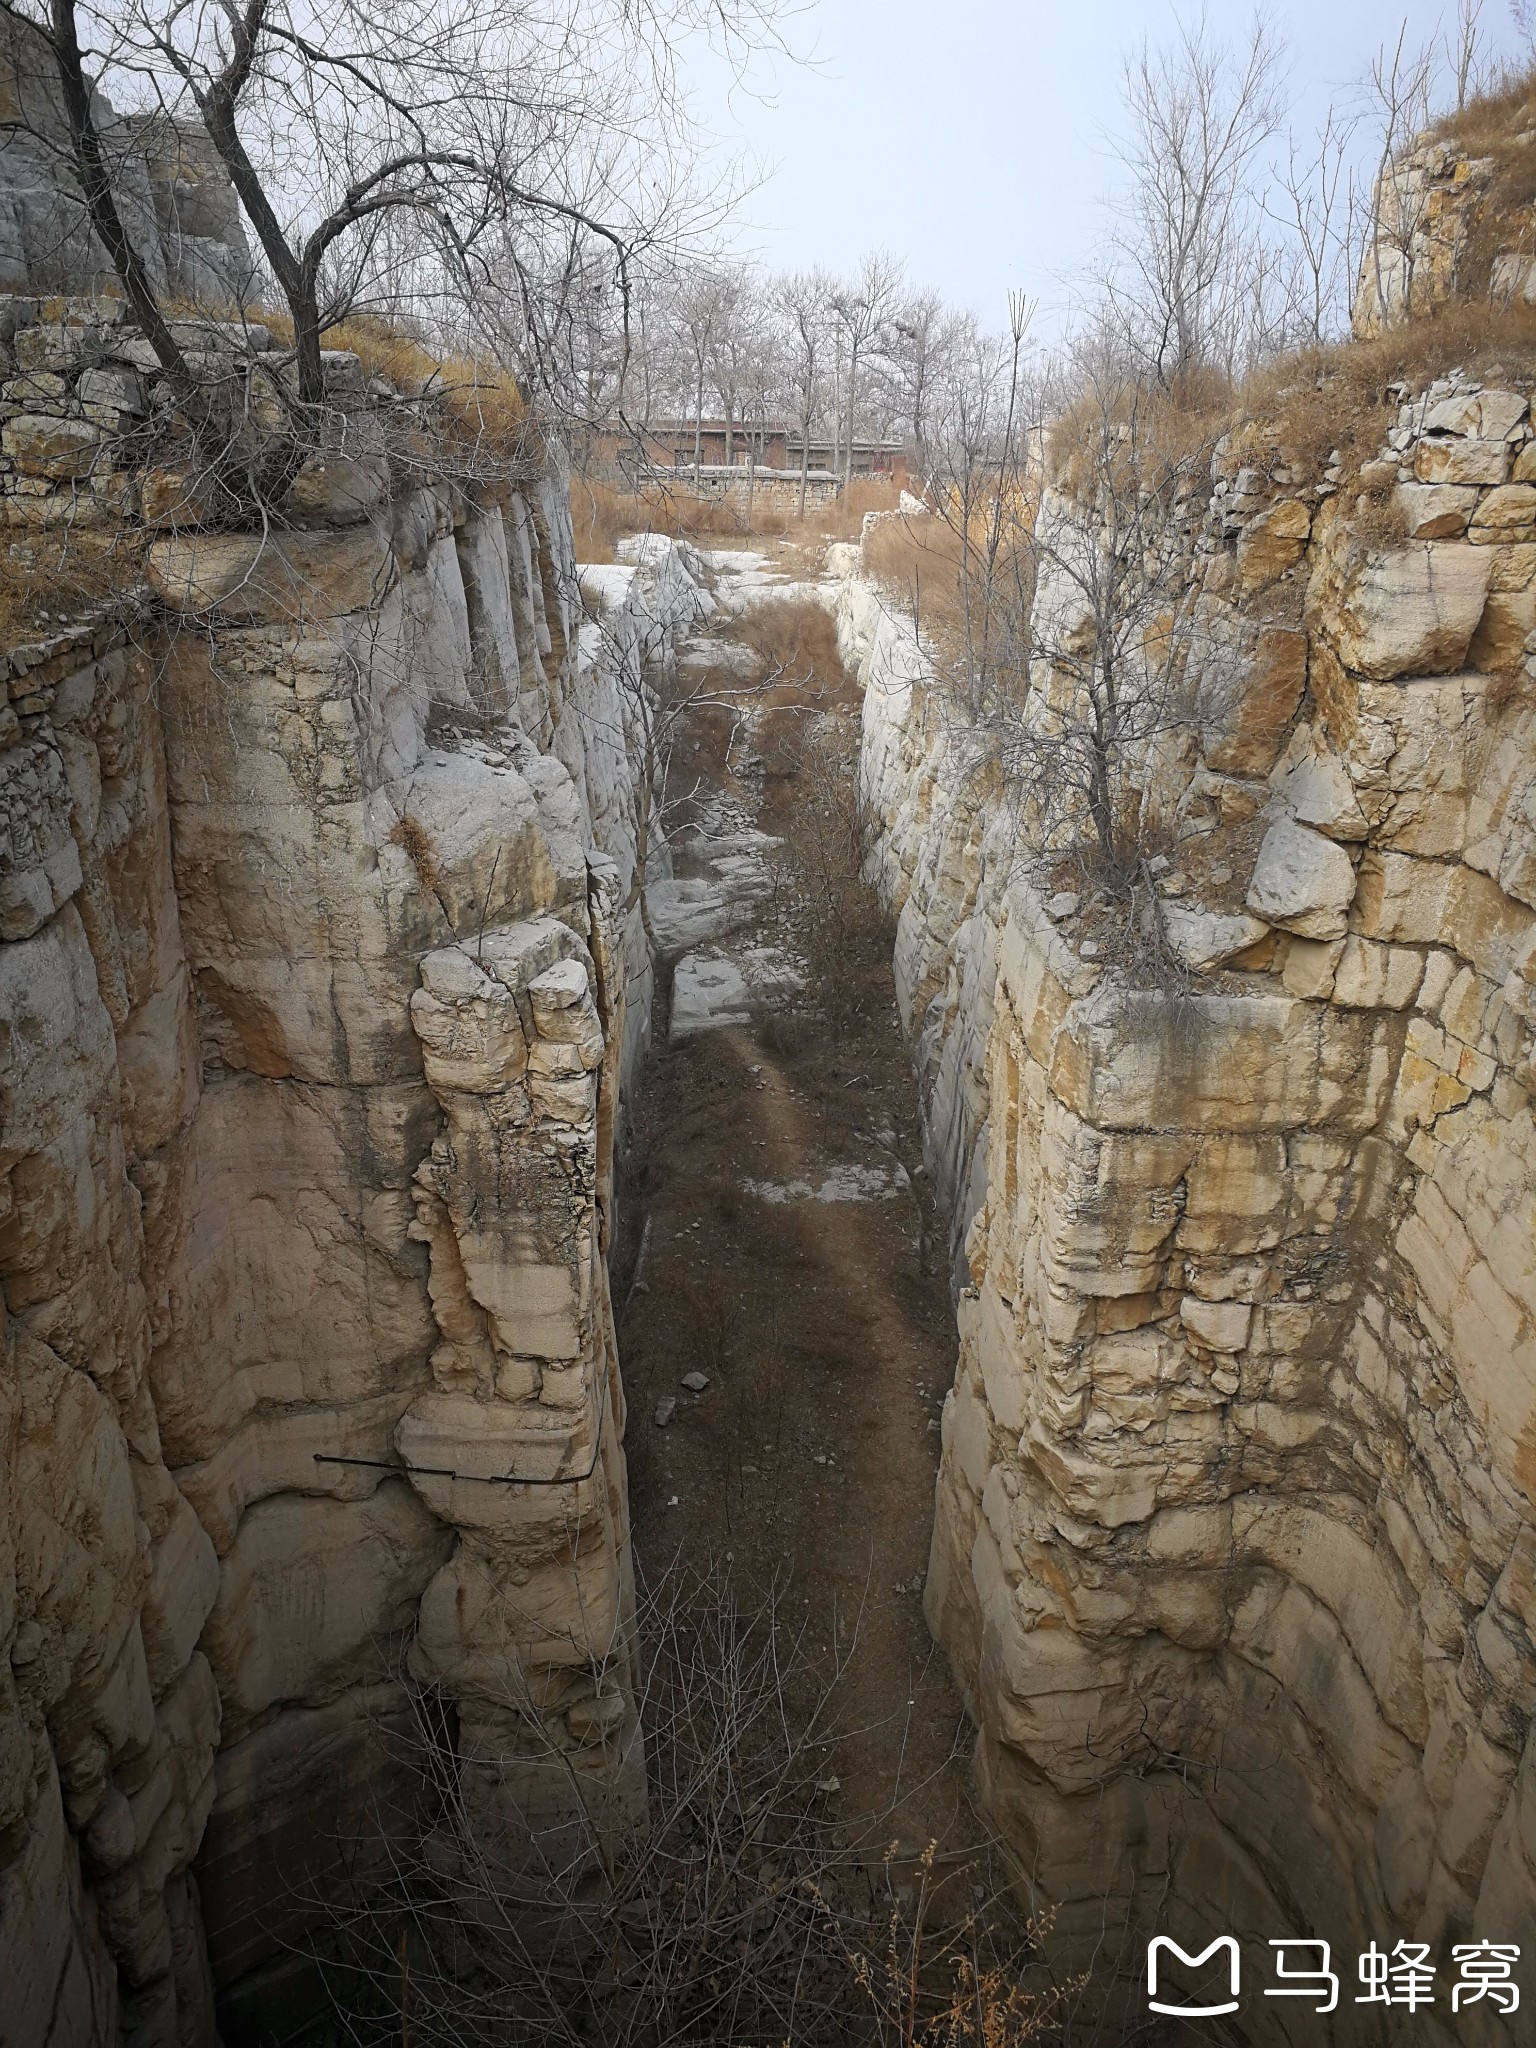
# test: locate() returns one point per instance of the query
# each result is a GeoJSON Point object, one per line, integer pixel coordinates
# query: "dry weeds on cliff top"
{"type": "Point", "coordinates": [1305, 406]}
{"type": "Point", "coordinates": [481, 406]}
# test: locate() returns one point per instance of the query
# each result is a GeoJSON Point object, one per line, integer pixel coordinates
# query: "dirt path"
{"type": "Point", "coordinates": [790, 1255]}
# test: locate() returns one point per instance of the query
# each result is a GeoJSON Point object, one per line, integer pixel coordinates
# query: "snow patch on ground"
{"type": "Point", "coordinates": [711, 990]}
{"type": "Point", "coordinates": [847, 1183]}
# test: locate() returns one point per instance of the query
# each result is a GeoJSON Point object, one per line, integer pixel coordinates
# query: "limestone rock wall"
{"type": "Point", "coordinates": [940, 854]}
{"type": "Point", "coordinates": [1233, 1532]}
{"type": "Point", "coordinates": [316, 989]}
{"type": "Point", "coordinates": [173, 195]}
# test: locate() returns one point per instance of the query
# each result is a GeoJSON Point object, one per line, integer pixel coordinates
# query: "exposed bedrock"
{"type": "Point", "coordinates": [318, 985]}
{"type": "Point", "coordinates": [1233, 1546]}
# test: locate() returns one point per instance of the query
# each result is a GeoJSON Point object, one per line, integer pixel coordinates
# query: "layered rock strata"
{"type": "Point", "coordinates": [320, 966]}
{"type": "Point", "coordinates": [1233, 1534]}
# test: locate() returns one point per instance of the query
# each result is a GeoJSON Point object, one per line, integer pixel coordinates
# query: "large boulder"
{"type": "Point", "coordinates": [1407, 611]}
{"type": "Point", "coordinates": [1302, 881]}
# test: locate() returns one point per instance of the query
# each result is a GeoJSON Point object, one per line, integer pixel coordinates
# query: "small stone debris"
{"type": "Point", "coordinates": [694, 1382]}
{"type": "Point", "coordinates": [666, 1407]}
{"type": "Point", "coordinates": [673, 1502]}
{"type": "Point", "coordinates": [829, 1785]}
{"type": "Point", "coordinates": [1064, 904]}
{"type": "Point", "coordinates": [1090, 949]}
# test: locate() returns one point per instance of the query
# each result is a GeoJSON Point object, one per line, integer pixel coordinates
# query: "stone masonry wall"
{"type": "Point", "coordinates": [315, 992]}
{"type": "Point", "coordinates": [1233, 1536]}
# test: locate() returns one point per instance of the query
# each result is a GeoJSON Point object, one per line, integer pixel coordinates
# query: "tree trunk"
{"type": "Point", "coordinates": [101, 207]}
{"type": "Point", "coordinates": [853, 392]}
{"type": "Point", "coordinates": [837, 411]}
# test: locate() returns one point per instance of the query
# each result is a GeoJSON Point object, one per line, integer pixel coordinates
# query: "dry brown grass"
{"type": "Point", "coordinates": [922, 562]}
{"type": "Point", "coordinates": [1172, 427]}
{"type": "Point", "coordinates": [919, 560]}
{"type": "Point", "coordinates": [601, 514]}
{"type": "Point", "coordinates": [50, 580]}
{"type": "Point", "coordinates": [1493, 116]}
{"type": "Point", "coordinates": [482, 402]}
{"type": "Point", "coordinates": [844, 518]}
{"type": "Point", "coordinates": [795, 639]}
{"type": "Point", "coordinates": [1303, 407]}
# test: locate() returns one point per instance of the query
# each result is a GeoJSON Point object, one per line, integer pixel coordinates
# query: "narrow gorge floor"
{"type": "Point", "coordinates": [781, 1240]}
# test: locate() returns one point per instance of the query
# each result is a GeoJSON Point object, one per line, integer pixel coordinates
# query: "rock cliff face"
{"type": "Point", "coordinates": [1233, 1538]}
{"type": "Point", "coordinates": [316, 989]}
{"type": "Point", "coordinates": [171, 191]}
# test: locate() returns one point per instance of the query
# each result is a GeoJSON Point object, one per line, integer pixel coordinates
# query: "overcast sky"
{"type": "Point", "coordinates": [969, 136]}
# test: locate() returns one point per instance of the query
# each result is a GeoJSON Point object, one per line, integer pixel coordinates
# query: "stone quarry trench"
{"type": "Point", "coordinates": [777, 1235]}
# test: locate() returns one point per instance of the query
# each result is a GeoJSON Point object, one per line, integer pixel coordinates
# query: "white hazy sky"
{"type": "Point", "coordinates": [969, 136]}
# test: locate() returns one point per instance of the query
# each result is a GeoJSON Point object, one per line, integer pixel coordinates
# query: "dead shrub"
{"type": "Point", "coordinates": [782, 1033]}
{"type": "Point", "coordinates": [711, 1893]}
{"type": "Point", "coordinates": [419, 847]}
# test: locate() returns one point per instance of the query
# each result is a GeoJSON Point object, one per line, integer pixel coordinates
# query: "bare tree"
{"type": "Point", "coordinates": [1077, 732]}
{"type": "Point", "coordinates": [1314, 206]}
{"type": "Point", "coordinates": [1398, 91]}
{"type": "Point", "coordinates": [917, 337]}
{"type": "Point", "coordinates": [1464, 43]}
{"type": "Point", "coordinates": [704, 304]}
{"type": "Point", "coordinates": [733, 365]}
{"type": "Point", "coordinates": [516, 141]}
{"type": "Point", "coordinates": [860, 308]}
{"type": "Point", "coordinates": [986, 420]}
{"type": "Point", "coordinates": [1200, 114]}
{"type": "Point", "coordinates": [804, 305]}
